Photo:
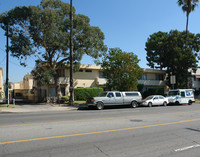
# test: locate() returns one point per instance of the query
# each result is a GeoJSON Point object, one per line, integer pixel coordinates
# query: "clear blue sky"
{"type": "Point", "coordinates": [126, 24]}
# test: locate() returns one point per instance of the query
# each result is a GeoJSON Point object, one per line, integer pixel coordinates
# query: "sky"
{"type": "Point", "coordinates": [126, 24]}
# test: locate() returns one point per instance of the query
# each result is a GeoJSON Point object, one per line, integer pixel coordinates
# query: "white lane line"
{"type": "Point", "coordinates": [186, 148]}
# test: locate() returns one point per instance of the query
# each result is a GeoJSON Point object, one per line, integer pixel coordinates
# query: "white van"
{"type": "Point", "coordinates": [181, 96]}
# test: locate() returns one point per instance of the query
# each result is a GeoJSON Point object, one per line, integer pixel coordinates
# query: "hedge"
{"type": "Point", "coordinates": [84, 93]}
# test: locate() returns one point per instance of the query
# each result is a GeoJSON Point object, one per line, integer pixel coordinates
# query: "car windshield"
{"type": "Point", "coordinates": [149, 97]}
{"type": "Point", "coordinates": [173, 93]}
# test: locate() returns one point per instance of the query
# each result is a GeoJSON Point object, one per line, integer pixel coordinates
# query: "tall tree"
{"type": "Point", "coordinates": [44, 30]}
{"type": "Point", "coordinates": [167, 50]}
{"type": "Point", "coordinates": [187, 6]}
{"type": "Point", "coordinates": [121, 70]}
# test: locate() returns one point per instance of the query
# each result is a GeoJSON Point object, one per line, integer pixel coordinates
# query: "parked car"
{"type": "Point", "coordinates": [155, 100]}
{"type": "Point", "coordinates": [112, 98]}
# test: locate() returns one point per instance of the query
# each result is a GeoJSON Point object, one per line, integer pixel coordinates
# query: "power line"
{"type": "Point", "coordinates": [20, 65]}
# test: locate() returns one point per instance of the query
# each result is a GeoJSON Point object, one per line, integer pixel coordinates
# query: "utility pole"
{"type": "Point", "coordinates": [7, 66]}
{"type": "Point", "coordinates": [71, 88]}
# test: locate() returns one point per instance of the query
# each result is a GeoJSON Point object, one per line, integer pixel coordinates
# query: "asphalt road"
{"type": "Point", "coordinates": [114, 132]}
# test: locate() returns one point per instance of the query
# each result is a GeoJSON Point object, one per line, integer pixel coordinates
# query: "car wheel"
{"type": "Point", "coordinates": [164, 103]}
{"type": "Point", "coordinates": [100, 106]}
{"type": "Point", "coordinates": [150, 104]}
{"type": "Point", "coordinates": [177, 103]}
{"type": "Point", "coordinates": [134, 104]}
{"type": "Point", "coordinates": [189, 102]}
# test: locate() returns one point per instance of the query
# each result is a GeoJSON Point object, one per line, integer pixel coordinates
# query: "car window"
{"type": "Point", "coordinates": [149, 97]}
{"type": "Point", "coordinates": [155, 98]}
{"type": "Point", "coordinates": [131, 94]}
{"type": "Point", "coordinates": [182, 94]}
{"type": "Point", "coordinates": [118, 94]}
{"type": "Point", "coordinates": [110, 95]}
{"type": "Point", "coordinates": [160, 97]}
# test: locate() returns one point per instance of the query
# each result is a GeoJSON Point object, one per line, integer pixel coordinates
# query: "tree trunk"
{"type": "Point", "coordinates": [186, 29]}
{"type": "Point", "coordinates": [58, 89]}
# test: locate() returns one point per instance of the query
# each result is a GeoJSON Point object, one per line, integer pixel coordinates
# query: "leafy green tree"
{"type": "Point", "coordinates": [43, 31]}
{"type": "Point", "coordinates": [121, 70]}
{"type": "Point", "coordinates": [167, 50]}
{"type": "Point", "coordinates": [187, 6]}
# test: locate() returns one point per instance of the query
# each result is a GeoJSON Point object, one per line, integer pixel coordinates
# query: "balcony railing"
{"type": "Point", "coordinates": [152, 82]}
{"type": "Point", "coordinates": [63, 80]}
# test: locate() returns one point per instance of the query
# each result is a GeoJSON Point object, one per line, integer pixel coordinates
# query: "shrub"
{"type": "Point", "coordinates": [84, 93]}
{"type": "Point", "coordinates": [153, 91]}
{"type": "Point", "coordinates": [64, 99]}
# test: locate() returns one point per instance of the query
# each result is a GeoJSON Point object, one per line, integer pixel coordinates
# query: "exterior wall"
{"type": "Point", "coordinates": [1, 83]}
{"type": "Point", "coordinates": [151, 79]}
{"type": "Point", "coordinates": [87, 76]}
{"type": "Point", "coordinates": [25, 89]}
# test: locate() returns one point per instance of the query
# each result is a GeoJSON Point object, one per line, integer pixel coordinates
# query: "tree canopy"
{"type": "Point", "coordinates": [44, 30]}
{"type": "Point", "coordinates": [121, 70]}
{"type": "Point", "coordinates": [167, 51]}
{"type": "Point", "coordinates": [188, 6]}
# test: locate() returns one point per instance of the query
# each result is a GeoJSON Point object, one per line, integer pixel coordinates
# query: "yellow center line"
{"type": "Point", "coordinates": [96, 119]}
{"type": "Point", "coordinates": [99, 132]}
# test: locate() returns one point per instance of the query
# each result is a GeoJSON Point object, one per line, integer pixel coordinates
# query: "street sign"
{"type": "Point", "coordinates": [173, 79]}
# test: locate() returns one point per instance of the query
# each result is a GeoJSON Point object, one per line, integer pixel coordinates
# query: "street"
{"type": "Point", "coordinates": [114, 132]}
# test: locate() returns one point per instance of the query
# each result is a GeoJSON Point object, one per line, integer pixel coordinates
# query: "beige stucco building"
{"type": "Point", "coordinates": [87, 76]}
{"type": "Point", "coordinates": [1, 84]}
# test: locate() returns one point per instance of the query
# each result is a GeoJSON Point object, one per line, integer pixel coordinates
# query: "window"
{"type": "Point", "coordinates": [101, 74]}
{"type": "Point", "coordinates": [62, 91]}
{"type": "Point", "coordinates": [182, 94]}
{"type": "Point", "coordinates": [156, 98]}
{"type": "Point", "coordinates": [110, 95]}
{"type": "Point", "coordinates": [143, 77]}
{"type": "Point", "coordinates": [88, 71]}
{"type": "Point", "coordinates": [160, 97]}
{"type": "Point", "coordinates": [159, 77]}
{"type": "Point", "coordinates": [61, 72]}
{"type": "Point", "coordinates": [118, 94]}
{"type": "Point", "coordinates": [80, 70]}
{"type": "Point", "coordinates": [131, 94]}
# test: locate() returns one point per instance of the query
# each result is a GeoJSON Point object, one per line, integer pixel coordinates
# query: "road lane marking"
{"type": "Point", "coordinates": [186, 148]}
{"type": "Point", "coordinates": [96, 119]}
{"type": "Point", "coordinates": [99, 132]}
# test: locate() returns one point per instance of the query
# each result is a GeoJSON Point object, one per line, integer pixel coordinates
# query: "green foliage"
{"type": "Point", "coordinates": [167, 50]}
{"type": "Point", "coordinates": [140, 87]}
{"type": "Point", "coordinates": [84, 93]}
{"type": "Point", "coordinates": [43, 31]}
{"type": "Point", "coordinates": [188, 5]}
{"type": "Point", "coordinates": [153, 91]}
{"type": "Point", "coordinates": [64, 99]}
{"type": "Point", "coordinates": [121, 70]}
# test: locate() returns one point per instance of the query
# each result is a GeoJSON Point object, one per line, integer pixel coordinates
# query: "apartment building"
{"type": "Point", "coordinates": [87, 76]}
{"type": "Point", "coordinates": [1, 84]}
{"type": "Point", "coordinates": [153, 78]}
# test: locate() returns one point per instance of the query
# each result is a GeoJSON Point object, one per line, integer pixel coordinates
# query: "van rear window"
{"type": "Point", "coordinates": [131, 94]}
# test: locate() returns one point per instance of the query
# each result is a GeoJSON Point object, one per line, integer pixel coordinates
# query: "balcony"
{"type": "Point", "coordinates": [152, 82]}
{"type": "Point", "coordinates": [63, 80]}
{"type": "Point", "coordinates": [101, 81]}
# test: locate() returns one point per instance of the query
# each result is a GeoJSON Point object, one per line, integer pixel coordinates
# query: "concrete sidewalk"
{"type": "Point", "coordinates": [37, 108]}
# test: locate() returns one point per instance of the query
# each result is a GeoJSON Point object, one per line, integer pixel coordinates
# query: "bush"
{"type": "Point", "coordinates": [84, 93]}
{"type": "Point", "coordinates": [64, 99]}
{"type": "Point", "coordinates": [153, 91]}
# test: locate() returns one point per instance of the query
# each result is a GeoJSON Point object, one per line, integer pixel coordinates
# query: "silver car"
{"type": "Point", "coordinates": [155, 100]}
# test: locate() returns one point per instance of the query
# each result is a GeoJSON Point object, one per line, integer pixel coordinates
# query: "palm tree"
{"type": "Point", "coordinates": [188, 6]}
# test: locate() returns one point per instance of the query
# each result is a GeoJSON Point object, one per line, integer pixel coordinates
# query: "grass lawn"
{"type": "Point", "coordinates": [79, 103]}
{"type": "Point", "coordinates": [6, 105]}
